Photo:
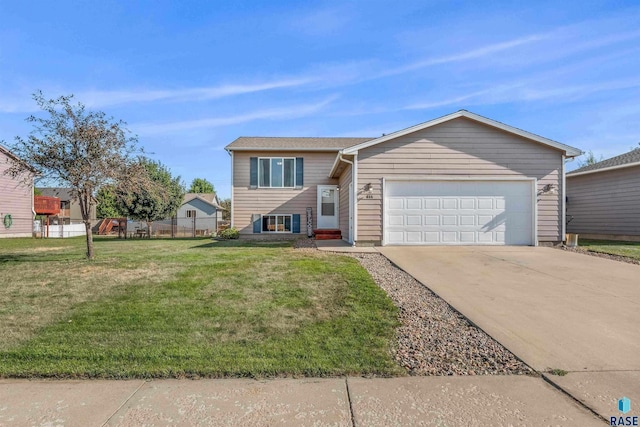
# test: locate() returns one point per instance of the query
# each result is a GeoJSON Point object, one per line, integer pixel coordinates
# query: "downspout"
{"type": "Point", "coordinates": [564, 200]}
{"type": "Point", "coordinates": [232, 186]}
{"type": "Point", "coordinates": [355, 194]}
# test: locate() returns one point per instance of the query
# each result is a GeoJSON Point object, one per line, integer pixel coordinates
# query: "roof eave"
{"type": "Point", "coordinates": [610, 168]}
{"type": "Point", "coordinates": [568, 150]}
{"type": "Point", "coordinates": [229, 149]}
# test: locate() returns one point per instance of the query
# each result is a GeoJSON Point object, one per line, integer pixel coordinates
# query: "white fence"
{"type": "Point", "coordinates": [65, 230]}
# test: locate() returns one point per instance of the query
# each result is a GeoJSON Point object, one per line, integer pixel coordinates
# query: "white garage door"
{"type": "Point", "coordinates": [459, 213]}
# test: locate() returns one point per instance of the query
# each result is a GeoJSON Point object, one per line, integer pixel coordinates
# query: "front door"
{"type": "Point", "coordinates": [327, 206]}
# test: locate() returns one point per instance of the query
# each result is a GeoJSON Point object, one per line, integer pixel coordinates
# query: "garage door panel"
{"type": "Point", "coordinates": [414, 203]}
{"type": "Point", "coordinates": [431, 220]}
{"type": "Point", "coordinates": [467, 220]}
{"type": "Point", "coordinates": [396, 203]}
{"type": "Point", "coordinates": [431, 203]}
{"type": "Point", "coordinates": [466, 212]}
{"type": "Point", "coordinates": [414, 220]}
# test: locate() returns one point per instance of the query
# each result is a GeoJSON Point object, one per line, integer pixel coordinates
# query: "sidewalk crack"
{"type": "Point", "coordinates": [124, 403]}
{"type": "Point", "coordinates": [353, 421]}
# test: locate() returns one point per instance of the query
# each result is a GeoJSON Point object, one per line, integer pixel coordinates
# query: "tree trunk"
{"type": "Point", "coordinates": [87, 226]}
{"type": "Point", "coordinates": [149, 229]}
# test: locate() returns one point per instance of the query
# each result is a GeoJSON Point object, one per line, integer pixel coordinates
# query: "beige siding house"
{"type": "Point", "coordinates": [603, 199]}
{"type": "Point", "coordinates": [459, 179]}
{"type": "Point", "coordinates": [16, 201]}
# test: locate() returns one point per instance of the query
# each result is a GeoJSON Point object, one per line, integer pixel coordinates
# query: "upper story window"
{"type": "Point", "coordinates": [277, 172]}
{"type": "Point", "coordinates": [191, 213]}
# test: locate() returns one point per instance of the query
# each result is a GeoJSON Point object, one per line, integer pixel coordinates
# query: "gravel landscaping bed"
{"type": "Point", "coordinates": [434, 339]}
{"type": "Point", "coordinates": [601, 254]}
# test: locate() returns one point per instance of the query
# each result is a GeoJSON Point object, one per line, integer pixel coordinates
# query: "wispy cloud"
{"type": "Point", "coordinates": [108, 98]}
{"type": "Point", "coordinates": [288, 112]}
{"type": "Point", "coordinates": [466, 55]}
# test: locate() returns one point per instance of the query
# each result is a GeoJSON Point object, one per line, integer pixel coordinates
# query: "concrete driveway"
{"type": "Point", "coordinates": [551, 308]}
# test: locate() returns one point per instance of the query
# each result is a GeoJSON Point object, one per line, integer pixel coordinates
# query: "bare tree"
{"type": "Point", "coordinates": [76, 148]}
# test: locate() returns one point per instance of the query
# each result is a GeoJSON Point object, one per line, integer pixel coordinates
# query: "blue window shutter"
{"type": "Point", "coordinates": [295, 226]}
{"type": "Point", "coordinates": [253, 171]}
{"type": "Point", "coordinates": [299, 171]}
{"type": "Point", "coordinates": [257, 223]}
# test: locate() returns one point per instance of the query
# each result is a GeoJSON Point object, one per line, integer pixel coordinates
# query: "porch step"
{"type": "Point", "coordinates": [328, 237]}
{"type": "Point", "coordinates": [327, 231]}
{"type": "Point", "coordinates": [328, 234]}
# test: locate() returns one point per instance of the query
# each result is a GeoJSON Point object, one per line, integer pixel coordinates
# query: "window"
{"type": "Point", "coordinates": [276, 223]}
{"type": "Point", "coordinates": [191, 213]}
{"type": "Point", "coordinates": [277, 172]}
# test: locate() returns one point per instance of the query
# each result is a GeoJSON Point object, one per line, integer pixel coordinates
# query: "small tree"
{"type": "Point", "coordinates": [201, 185]}
{"type": "Point", "coordinates": [158, 196]}
{"type": "Point", "coordinates": [107, 202]}
{"type": "Point", "coordinates": [589, 159]}
{"type": "Point", "coordinates": [75, 148]}
{"type": "Point", "coordinates": [226, 213]}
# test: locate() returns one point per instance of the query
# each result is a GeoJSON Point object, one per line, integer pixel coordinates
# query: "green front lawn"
{"type": "Point", "coordinates": [627, 249]}
{"type": "Point", "coordinates": [173, 308]}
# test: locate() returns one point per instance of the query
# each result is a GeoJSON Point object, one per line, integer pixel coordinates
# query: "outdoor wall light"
{"type": "Point", "coordinates": [368, 188]}
{"type": "Point", "coordinates": [548, 189]}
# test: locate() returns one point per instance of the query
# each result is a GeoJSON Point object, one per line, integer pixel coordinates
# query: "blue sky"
{"type": "Point", "coordinates": [190, 77]}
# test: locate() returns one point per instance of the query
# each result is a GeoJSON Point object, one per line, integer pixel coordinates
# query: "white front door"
{"type": "Point", "coordinates": [327, 206]}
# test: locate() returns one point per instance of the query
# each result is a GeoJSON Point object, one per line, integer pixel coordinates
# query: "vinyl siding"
{"type": "Point", "coordinates": [460, 147]}
{"type": "Point", "coordinates": [605, 202]}
{"type": "Point", "coordinates": [16, 199]}
{"type": "Point", "coordinates": [247, 201]}
{"type": "Point", "coordinates": [205, 219]}
{"type": "Point", "coordinates": [343, 182]}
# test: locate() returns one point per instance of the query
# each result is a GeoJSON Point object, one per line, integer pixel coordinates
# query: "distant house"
{"type": "Point", "coordinates": [16, 200]}
{"type": "Point", "coordinates": [69, 206]}
{"type": "Point", "coordinates": [199, 212]}
{"type": "Point", "coordinates": [604, 198]}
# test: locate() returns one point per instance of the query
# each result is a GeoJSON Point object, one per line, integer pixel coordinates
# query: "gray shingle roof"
{"type": "Point", "coordinates": [64, 194]}
{"type": "Point", "coordinates": [632, 156]}
{"type": "Point", "coordinates": [293, 143]}
{"type": "Point", "coordinates": [207, 197]}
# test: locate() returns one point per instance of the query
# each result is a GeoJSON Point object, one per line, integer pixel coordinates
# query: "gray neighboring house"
{"type": "Point", "coordinates": [200, 212]}
{"type": "Point", "coordinates": [603, 199]}
{"type": "Point", "coordinates": [460, 179]}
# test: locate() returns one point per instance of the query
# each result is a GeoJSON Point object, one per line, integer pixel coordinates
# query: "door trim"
{"type": "Point", "coordinates": [336, 198]}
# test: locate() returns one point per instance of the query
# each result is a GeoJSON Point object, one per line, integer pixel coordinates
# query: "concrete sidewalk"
{"type": "Point", "coordinates": [442, 401]}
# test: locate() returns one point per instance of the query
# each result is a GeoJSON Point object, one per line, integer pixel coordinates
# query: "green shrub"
{"type": "Point", "coordinates": [229, 233]}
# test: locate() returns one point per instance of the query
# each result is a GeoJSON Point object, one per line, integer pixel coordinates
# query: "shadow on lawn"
{"type": "Point", "coordinates": [245, 244]}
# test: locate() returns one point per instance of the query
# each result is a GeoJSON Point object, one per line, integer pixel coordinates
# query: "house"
{"type": "Point", "coordinates": [16, 200]}
{"type": "Point", "coordinates": [69, 206]}
{"type": "Point", "coordinates": [459, 179]}
{"type": "Point", "coordinates": [200, 213]}
{"type": "Point", "coordinates": [603, 199]}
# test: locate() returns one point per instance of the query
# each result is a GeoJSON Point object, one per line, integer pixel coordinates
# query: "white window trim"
{"type": "Point", "coordinates": [283, 159]}
{"type": "Point", "coordinates": [276, 231]}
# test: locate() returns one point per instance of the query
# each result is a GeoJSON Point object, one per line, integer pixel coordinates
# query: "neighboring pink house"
{"type": "Point", "coordinates": [16, 200]}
